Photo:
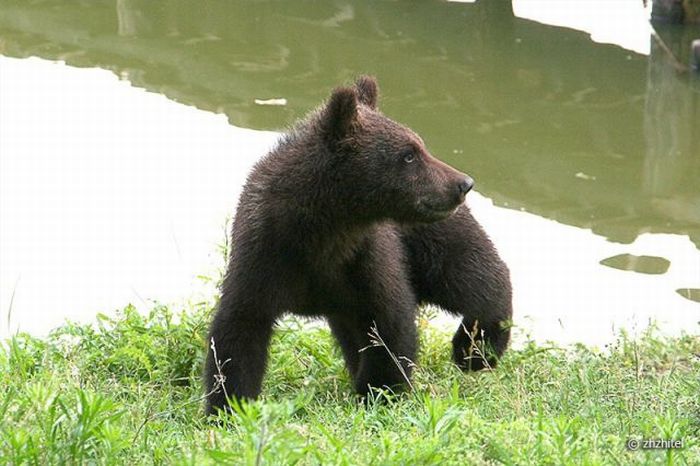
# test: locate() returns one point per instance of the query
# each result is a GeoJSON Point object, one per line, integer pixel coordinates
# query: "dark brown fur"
{"type": "Point", "coordinates": [352, 219]}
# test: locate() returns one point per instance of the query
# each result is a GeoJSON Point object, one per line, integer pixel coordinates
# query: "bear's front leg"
{"type": "Point", "coordinates": [388, 352]}
{"type": "Point", "coordinates": [377, 351]}
{"type": "Point", "coordinates": [349, 336]}
{"type": "Point", "coordinates": [238, 346]}
{"type": "Point", "coordinates": [381, 321]}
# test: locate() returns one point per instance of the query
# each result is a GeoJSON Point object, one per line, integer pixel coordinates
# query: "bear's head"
{"type": "Point", "coordinates": [383, 167]}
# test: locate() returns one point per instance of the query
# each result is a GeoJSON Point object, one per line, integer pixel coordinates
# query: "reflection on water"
{"type": "Point", "coordinates": [642, 264]}
{"type": "Point", "coordinates": [110, 195]}
{"type": "Point", "coordinates": [546, 120]}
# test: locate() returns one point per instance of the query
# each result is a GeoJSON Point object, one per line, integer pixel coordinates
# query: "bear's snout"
{"type": "Point", "coordinates": [465, 185]}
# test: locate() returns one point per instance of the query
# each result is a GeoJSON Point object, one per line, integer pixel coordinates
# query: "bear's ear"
{"type": "Point", "coordinates": [367, 91]}
{"type": "Point", "coordinates": [340, 113]}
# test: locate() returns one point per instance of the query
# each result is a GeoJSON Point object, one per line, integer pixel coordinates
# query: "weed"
{"type": "Point", "coordinates": [127, 390]}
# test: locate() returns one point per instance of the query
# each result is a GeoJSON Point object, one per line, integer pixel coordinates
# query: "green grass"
{"type": "Point", "coordinates": [128, 391]}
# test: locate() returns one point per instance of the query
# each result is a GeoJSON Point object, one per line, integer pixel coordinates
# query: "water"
{"type": "Point", "coordinates": [586, 155]}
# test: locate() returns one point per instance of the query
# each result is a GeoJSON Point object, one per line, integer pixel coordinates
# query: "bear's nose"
{"type": "Point", "coordinates": [465, 185]}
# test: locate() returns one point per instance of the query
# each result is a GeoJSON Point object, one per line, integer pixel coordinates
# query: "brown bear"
{"type": "Point", "coordinates": [352, 219]}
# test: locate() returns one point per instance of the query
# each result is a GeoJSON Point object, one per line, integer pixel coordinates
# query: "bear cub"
{"type": "Point", "coordinates": [352, 219]}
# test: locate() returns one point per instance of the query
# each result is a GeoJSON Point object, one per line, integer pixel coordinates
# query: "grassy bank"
{"type": "Point", "coordinates": [128, 391]}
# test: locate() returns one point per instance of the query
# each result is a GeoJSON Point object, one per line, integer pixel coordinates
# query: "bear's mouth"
{"type": "Point", "coordinates": [437, 211]}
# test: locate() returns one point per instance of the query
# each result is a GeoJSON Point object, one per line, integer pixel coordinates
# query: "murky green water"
{"type": "Point", "coordinates": [545, 119]}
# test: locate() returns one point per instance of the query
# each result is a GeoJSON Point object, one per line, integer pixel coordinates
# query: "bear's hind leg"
{"type": "Point", "coordinates": [241, 344]}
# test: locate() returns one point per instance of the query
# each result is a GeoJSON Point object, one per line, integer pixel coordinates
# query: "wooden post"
{"type": "Point", "coordinates": [675, 11]}
{"type": "Point", "coordinates": [691, 9]}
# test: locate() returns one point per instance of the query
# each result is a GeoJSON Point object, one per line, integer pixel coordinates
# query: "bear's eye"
{"type": "Point", "coordinates": [409, 156]}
